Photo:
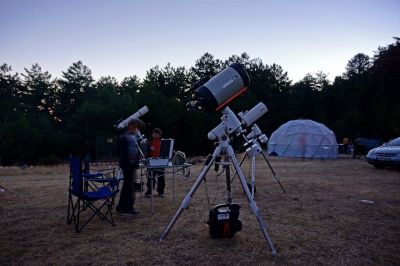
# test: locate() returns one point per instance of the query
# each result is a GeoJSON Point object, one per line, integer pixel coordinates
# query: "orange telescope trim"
{"type": "Point", "coordinates": [231, 99]}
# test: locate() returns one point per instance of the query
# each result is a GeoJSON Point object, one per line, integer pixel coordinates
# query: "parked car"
{"type": "Point", "coordinates": [362, 146]}
{"type": "Point", "coordinates": [385, 155]}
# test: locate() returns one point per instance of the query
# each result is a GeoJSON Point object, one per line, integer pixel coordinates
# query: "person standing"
{"type": "Point", "coordinates": [128, 156]}
{"type": "Point", "coordinates": [154, 152]}
{"type": "Point", "coordinates": [345, 145]}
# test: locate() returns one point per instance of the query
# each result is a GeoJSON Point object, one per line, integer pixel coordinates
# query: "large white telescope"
{"type": "Point", "coordinates": [142, 111]}
{"type": "Point", "coordinates": [221, 89]}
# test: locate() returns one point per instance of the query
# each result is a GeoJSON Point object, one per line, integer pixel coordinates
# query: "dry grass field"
{"type": "Point", "coordinates": [320, 220]}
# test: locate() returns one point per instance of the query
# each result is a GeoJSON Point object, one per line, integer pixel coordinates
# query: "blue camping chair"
{"type": "Point", "coordinates": [81, 198]}
{"type": "Point", "coordinates": [92, 180]}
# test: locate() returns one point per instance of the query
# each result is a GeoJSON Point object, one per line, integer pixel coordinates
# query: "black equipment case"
{"type": "Point", "coordinates": [224, 220]}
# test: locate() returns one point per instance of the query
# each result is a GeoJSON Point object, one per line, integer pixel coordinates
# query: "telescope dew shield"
{"type": "Point", "coordinates": [136, 115]}
{"type": "Point", "coordinates": [251, 116]}
{"type": "Point", "coordinates": [223, 87]}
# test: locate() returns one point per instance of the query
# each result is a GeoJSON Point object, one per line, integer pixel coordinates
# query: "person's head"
{"type": "Point", "coordinates": [132, 126]}
{"type": "Point", "coordinates": [157, 133]}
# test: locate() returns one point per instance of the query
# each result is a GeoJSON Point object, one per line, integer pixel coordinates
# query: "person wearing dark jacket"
{"type": "Point", "coordinates": [128, 156]}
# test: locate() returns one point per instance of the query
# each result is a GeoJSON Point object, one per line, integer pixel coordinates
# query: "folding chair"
{"type": "Point", "coordinates": [92, 180]}
{"type": "Point", "coordinates": [80, 199]}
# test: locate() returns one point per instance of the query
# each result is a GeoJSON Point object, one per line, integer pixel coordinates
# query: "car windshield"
{"type": "Point", "coordinates": [395, 142]}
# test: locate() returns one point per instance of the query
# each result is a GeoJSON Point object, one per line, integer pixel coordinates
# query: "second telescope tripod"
{"type": "Point", "coordinates": [253, 141]}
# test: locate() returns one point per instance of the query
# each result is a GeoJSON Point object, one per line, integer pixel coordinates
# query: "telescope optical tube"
{"type": "Point", "coordinates": [222, 88]}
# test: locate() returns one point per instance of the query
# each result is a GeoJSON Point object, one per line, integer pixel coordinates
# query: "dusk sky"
{"type": "Point", "coordinates": [122, 38]}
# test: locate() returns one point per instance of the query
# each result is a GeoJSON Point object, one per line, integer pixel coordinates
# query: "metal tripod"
{"type": "Point", "coordinates": [223, 148]}
{"type": "Point", "coordinates": [252, 153]}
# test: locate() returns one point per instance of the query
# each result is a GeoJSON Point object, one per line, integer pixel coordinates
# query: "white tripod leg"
{"type": "Point", "coordinates": [253, 174]}
{"type": "Point", "coordinates": [188, 197]}
{"type": "Point", "coordinates": [252, 203]}
{"type": "Point", "coordinates": [240, 164]}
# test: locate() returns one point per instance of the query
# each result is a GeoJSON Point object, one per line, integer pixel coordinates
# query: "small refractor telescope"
{"type": "Point", "coordinates": [139, 113]}
{"type": "Point", "coordinates": [219, 91]}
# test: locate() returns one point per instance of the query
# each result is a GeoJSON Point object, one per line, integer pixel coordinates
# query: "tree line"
{"type": "Point", "coordinates": [44, 119]}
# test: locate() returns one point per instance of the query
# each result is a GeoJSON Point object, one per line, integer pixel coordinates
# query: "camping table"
{"type": "Point", "coordinates": [174, 169]}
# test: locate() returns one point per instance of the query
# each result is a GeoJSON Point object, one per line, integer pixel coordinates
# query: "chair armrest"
{"type": "Point", "coordinates": [92, 175]}
{"type": "Point", "coordinates": [95, 177]}
{"type": "Point", "coordinates": [105, 169]}
{"type": "Point", "coordinates": [97, 180]}
{"type": "Point", "coordinates": [105, 172]}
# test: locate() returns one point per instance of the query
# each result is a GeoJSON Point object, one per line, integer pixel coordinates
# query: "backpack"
{"type": "Point", "coordinates": [179, 158]}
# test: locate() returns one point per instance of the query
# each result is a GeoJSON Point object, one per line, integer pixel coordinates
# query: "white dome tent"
{"type": "Point", "coordinates": [303, 138]}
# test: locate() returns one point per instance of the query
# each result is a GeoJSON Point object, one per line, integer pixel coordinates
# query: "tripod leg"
{"type": "Point", "coordinates": [188, 197]}
{"type": "Point", "coordinates": [272, 170]}
{"type": "Point", "coordinates": [253, 174]}
{"type": "Point", "coordinates": [152, 188]}
{"type": "Point", "coordinates": [252, 203]}
{"type": "Point", "coordinates": [228, 180]}
{"type": "Point", "coordinates": [240, 164]}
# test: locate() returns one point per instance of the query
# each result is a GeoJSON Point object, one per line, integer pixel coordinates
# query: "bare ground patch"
{"type": "Point", "coordinates": [319, 221]}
